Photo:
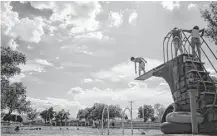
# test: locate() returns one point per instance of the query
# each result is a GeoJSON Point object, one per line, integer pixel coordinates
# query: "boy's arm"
{"type": "Point", "coordinates": [169, 33]}
{"type": "Point", "coordinates": [135, 68]}
{"type": "Point", "coordinates": [202, 30]}
{"type": "Point", "coordinates": [188, 31]}
{"type": "Point", "coordinates": [144, 60]}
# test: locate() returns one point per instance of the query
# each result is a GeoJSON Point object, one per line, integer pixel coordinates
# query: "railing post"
{"type": "Point", "coordinates": [193, 105]}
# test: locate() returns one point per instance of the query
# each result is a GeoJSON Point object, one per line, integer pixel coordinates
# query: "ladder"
{"type": "Point", "coordinates": [207, 85]}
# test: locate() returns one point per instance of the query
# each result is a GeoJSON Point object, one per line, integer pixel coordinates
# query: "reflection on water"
{"type": "Point", "coordinates": [82, 131]}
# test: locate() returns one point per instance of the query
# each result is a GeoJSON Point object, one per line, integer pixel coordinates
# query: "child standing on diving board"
{"type": "Point", "coordinates": [141, 62]}
{"type": "Point", "coordinates": [195, 39]}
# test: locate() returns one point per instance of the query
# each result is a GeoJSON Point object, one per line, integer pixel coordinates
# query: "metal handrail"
{"type": "Point", "coordinates": [167, 47]}
{"type": "Point", "coordinates": [208, 47]}
{"type": "Point", "coordinates": [208, 60]}
{"type": "Point", "coordinates": [164, 44]}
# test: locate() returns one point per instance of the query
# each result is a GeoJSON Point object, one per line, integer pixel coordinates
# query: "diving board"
{"type": "Point", "coordinates": [151, 73]}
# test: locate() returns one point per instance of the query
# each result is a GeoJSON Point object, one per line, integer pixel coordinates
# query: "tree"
{"type": "Point", "coordinates": [147, 111]}
{"type": "Point", "coordinates": [15, 98]}
{"type": "Point", "coordinates": [47, 115]}
{"type": "Point", "coordinates": [85, 113]}
{"type": "Point", "coordinates": [32, 115]}
{"type": "Point", "coordinates": [159, 110]}
{"type": "Point", "coordinates": [62, 116]}
{"type": "Point", "coordinates": [210, 16]}
{"type": "Point", "coordinates": [10, 60]}
{"type": "Point", "coordinates": [13, 95]}
{"type": "Point", "coordinates": [95, 112]}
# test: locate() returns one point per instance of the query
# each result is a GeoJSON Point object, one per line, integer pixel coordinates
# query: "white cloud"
{"type": "Point", "coordinates": [51, 29]}
{"type": "Point", "coordinates": [29, 30]}
{"type": "Point", "coordinates": [43, 62]}
{"type": "Point", "coordinates": [119, 97]}
{"type": "Point", "coordinates": [32, 66]}
{"type": "Point", "coordinates": [29, 47]}
{"type": "Point", "coordinates": [190, 6]}
{"type": "Point", "coordinates": [8, 17]}
{"type": "Point", "coordinates": [116, 19]}
{"type": "Point", "coordinates": [17, 78]}
{"type": "Point", "coordinates": [13, 44]}
{"type": "Point", "coordinates": [132, 18]}
{"type": "Point", "coordinates": [170, 5]}
{"type": "Point", "coordinates": [89, 80]}
{"type": "Point", "coordinates": [136, 85]}
{"type": "Point", "coordinates": [211, 70]}
{"type": "Point", "coordinates": [81, 14]}
{"type": "Point", "coordinates": [96, 89]}
{"type": "Point", "coordinates": [77, 48]}
{"type": "Point", "coordinates": [71, 64]}
{"type": "Point", "coordinates": [75, 91]}
{"type": "Point", "coordinates": [93, 35]}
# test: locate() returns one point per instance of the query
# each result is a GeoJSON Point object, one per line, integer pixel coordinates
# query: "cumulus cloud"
{"type": "Point", "coordinates": [170, 5]}
{"type": "Point", "coordinates": [90, 80]}
{"type": "Point", "coordinates": [32, 66]}
{"type": "Point", "coordinates": [190, 6]}
{"type": "Point", "coordinates": [116, 19]}
{"type": "Point", "coordinates": [119, 97]}
{"type": "Point", "coordinates": [17, 78]}
{"type": "Point", "coordinates": [74, 64]}
{"type": "Point", "coordinates": [8, 17]}
{"type": "Point", "coordinates": [43, 62]}
{"type": "Point", "coordinates": [81, 14]}
{"type": "Point", "coordinates": [92, 35]}
{"type": "Point", "coordinates": [95, 89]}
{"type": "Point", "coordinates": [132, 18]}
{"type": "Point", "coordinates": [136, 85]}
{"type": "Point", "coordinates": [29, 30]}
{"type": "Point", "coordinates": [75, 91]}
{"type": "Point", "coordinates": [13, 44]}
{"type": "Point", "coordinates": [77, 48]}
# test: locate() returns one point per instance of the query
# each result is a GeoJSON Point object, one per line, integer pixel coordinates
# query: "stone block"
{"type": "Point", "coordinates": [177, 94]}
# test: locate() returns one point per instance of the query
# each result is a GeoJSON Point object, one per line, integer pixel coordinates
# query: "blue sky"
{"type": "Point", "coordinates": [78, 52]}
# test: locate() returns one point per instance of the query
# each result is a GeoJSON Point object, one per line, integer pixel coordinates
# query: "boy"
{"type": "Point", "coordinates": [177, 40]}
{"type": "Point", "coordinates": [141, 62]}
{"type": "Point", "coordinates": [195, 39]}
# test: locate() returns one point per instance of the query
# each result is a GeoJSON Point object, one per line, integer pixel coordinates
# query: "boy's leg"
{"type": "Point", "coordinates": [144, 70]}
{"type": "Point", "coordinates": [198, 50]}
{"type": "Point", "coordinates": [176, 46]}
{"type": "Point", "coordinates": [140, 72]}
{"type": "Point", "coordinates": [180, 47]}
{"type": "Point", "coordinates": [193, 44]}
{"type": "Point", "coordinates": [141, 68]}
{"type": "Point", "coordinates": [176, 51]}
{"type": "Point", "coordinates": [193, 49]}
